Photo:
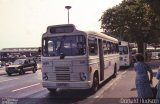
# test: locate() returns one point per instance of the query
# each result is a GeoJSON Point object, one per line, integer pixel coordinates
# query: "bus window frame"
{"type": "Point", "coordinates": [96, 51]}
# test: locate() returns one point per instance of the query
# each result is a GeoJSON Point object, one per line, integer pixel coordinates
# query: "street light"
{"type": "Point", "coordinates": [68, 7]}
{"type": "Point", "coordinates": [145, 31]}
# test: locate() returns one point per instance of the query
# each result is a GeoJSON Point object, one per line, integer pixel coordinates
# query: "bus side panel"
{"type": "Point", "coordinates": [110, 61]}
{"type": "Point", "coordinates": [94, 64]}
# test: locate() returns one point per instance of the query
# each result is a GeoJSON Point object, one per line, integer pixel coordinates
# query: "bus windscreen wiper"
{"type": "Point", "coordinates": [61, 42]}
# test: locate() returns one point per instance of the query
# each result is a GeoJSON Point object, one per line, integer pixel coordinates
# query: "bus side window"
{"type": "Point", "coordinates": [93, 49]}
{"type": "Point", "coordinates": [117, 48]}
{"type": "Point", "coordinates": [112, 47]}
{"type": "Point", "coordinates": [108, 47]}
{"type": "Point", "coordinates": [81, 48]}
{"type": "Point", "coordinates": [105, 49]}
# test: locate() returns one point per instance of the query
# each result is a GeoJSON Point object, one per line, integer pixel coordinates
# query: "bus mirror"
{"type": "Point", "coordinates": [119, 43]}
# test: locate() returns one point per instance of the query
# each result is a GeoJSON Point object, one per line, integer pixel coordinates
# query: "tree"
{"type": "Point", "coordinates": [155, 5]}
{"type": "Point", "coordinates": [133, 21]}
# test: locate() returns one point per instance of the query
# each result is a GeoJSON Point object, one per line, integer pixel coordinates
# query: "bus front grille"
{"type": "Point", "coordinates": [62, 69]}
{"type": "Point", "coordinates": [63, 77]}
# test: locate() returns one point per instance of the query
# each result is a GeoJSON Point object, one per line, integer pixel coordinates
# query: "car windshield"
{"type": "Point", "coordinates": [66, 45]}
{"type": "Point", "coordinates": [123, 50]}
{"type": "Point", "coordinates": [16, 62]}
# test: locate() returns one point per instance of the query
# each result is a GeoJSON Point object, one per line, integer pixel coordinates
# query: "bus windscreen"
{"type": "Point", "coordinates": [67, 45]}
{"type": "Point", "coordinates": [123, 50]}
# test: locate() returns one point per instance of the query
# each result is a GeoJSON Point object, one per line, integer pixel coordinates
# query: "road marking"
{"type": "Point", "coordinates": [8, 80]}
{"type": "Point", "coordinates": [25, 87]}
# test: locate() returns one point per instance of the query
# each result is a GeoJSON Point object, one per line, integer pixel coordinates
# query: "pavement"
{"type": "Point", "coordinates": [125, 85]}
{"type": "Point", "coordinates": [123, 89]}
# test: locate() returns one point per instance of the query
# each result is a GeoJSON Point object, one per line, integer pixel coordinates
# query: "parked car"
{"type": "Point", "coordinates": [21, 66]}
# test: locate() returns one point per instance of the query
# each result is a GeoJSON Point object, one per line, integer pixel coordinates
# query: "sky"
{"type": "Point", "coordinates": [22, 22]}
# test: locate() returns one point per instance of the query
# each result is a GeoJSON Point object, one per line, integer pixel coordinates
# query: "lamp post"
{"type": "Point", "coordinates": [145, 31]}
{"type": "Point", "coordinates": [68, 7]}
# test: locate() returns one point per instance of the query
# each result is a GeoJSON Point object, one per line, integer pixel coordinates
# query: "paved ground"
{"type": "Point", "coordinates": [125, 86]}
{"type": "Point", "coordinates": [123, 90]}
{"type": "Point", "coordinates": [115, 91]}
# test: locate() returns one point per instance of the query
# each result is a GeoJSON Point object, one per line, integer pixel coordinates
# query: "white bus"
{"type": "Point", "coordinates": [155, 52]}
{"type": "Point", "coordinates": [125, 54]}
{"type": "Point", "coordinates": [73, 59]}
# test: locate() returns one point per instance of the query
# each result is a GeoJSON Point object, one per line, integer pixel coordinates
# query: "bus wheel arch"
{"type": "Point", "coordinates": [95, 84]}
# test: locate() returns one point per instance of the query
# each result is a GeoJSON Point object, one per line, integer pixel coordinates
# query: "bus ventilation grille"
{"type": "Point", "coordinates": [63, 77]}
{"type": "Point", "coordinates": [62, 69]}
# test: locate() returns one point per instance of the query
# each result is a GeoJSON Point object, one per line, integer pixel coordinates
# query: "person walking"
{"type": "Point", "coordinates": [142, 80]}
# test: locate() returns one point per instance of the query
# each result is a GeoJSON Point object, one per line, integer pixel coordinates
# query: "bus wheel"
{"type": "Point", "coordinates": [115, 71]}
{"type": "Point", "coordinates": [95, 85]}
{"type": "Point", "coordinates": [52, 91]}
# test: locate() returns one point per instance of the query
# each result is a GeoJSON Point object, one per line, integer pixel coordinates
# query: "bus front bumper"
{"type": "Point", "coordinates": [67, 85]}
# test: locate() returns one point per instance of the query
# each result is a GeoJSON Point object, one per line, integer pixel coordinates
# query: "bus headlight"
{"type": "Point", "coordinates": [83, 76]}
{"type": "Point", "coordinates": [45, 76]}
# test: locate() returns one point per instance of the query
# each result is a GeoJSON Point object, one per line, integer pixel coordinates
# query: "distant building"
{"type": "Point", "coordinates": [9, 54]}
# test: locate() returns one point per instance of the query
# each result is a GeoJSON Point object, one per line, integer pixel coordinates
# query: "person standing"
{"type": "Point", "coordinates": [142, 80]}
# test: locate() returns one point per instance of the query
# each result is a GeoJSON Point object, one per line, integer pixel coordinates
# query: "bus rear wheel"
{"type": "Point", "coordinates": [95, 85]}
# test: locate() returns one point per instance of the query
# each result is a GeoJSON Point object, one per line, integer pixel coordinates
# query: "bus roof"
{"type": "Point", "coordinates": [102, 35]}
{"type": "Point", "coordinates": [70, 28]}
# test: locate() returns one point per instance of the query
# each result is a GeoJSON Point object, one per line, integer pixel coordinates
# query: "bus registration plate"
{"type": "Point", "coordinates": [62, 84]}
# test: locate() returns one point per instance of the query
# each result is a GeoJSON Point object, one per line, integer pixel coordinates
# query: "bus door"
{"type": "Point", "coordinates": [101, 59]}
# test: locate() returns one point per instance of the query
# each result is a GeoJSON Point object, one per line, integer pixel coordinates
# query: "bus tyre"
{"type": "Point", "coordinates": [52, 91]}
{"type": "Point", "coordinates": [95, 85]}
{"type": "Point", "coordinates": [115, 71]}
